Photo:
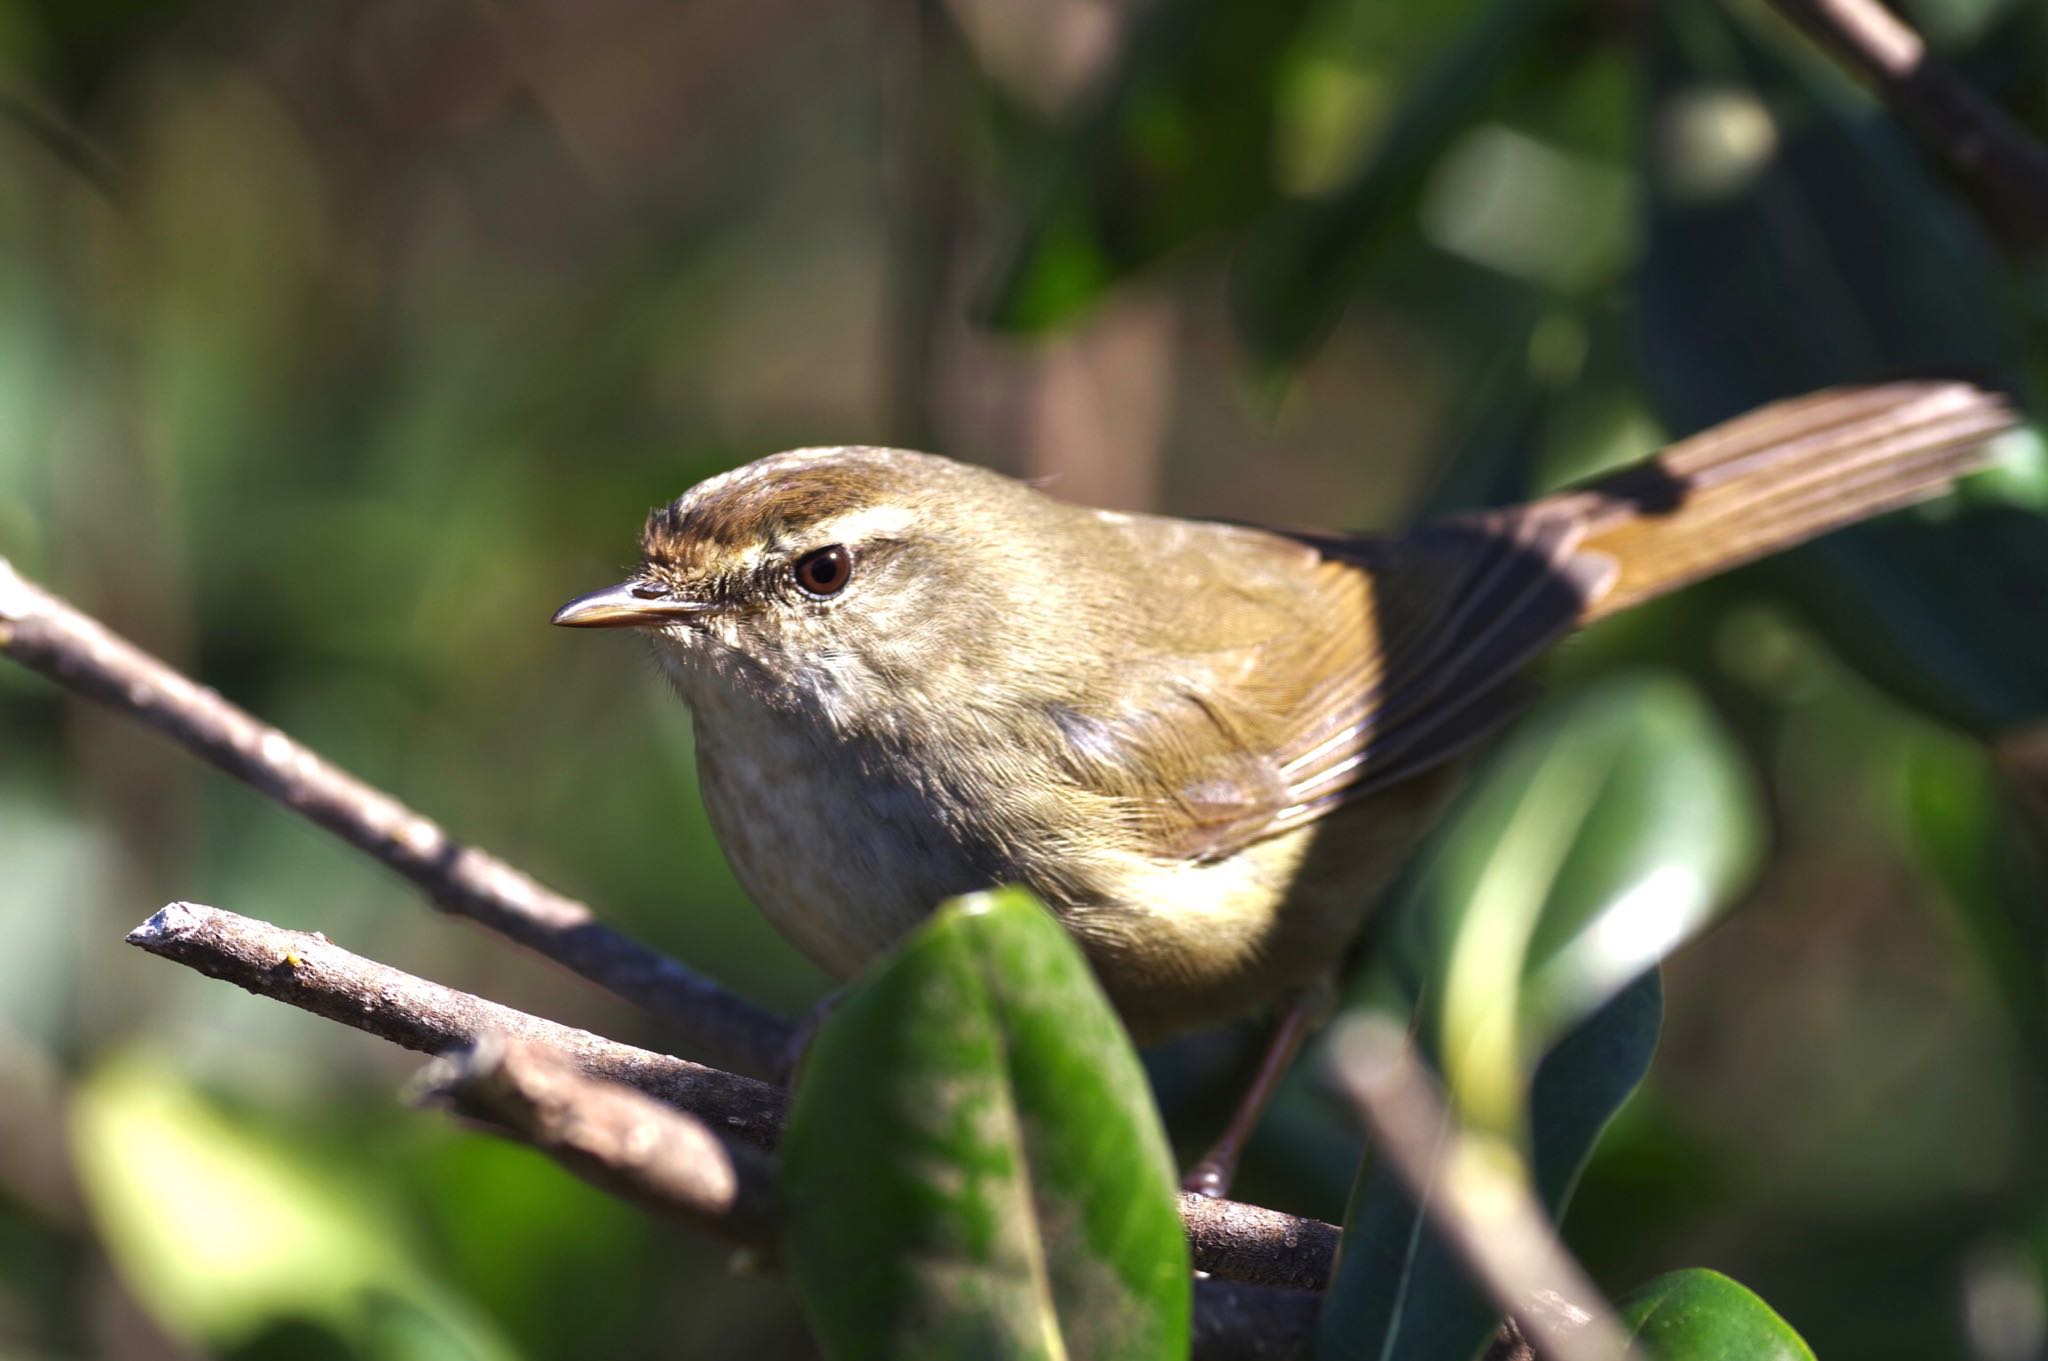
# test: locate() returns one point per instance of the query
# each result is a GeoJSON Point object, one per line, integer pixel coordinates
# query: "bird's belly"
{"type": "Point", "coordinates": [842, 865]}
{"type": "Point", "coordinates": [845, 865]}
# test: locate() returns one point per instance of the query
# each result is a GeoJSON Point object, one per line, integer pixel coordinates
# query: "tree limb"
{"type": "Point", "coordinates": [1257, 1246]}
{"type": "Point", "coordinates": [673, 1164]}
{"type": "Point", "coordinates": [308, 971]}
{"type": "Point", "coordinates": [618, 1139]}
{"type": "Point", "coordinates": [84, 656]}
{"type": "Point", "coordinates": [2001, 163]}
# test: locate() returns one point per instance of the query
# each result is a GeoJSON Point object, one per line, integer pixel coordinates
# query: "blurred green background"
{"type": "Point", "coordinates": [341, 341]}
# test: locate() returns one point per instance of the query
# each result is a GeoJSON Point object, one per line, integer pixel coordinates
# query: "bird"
{"type": "Point", "coordinates": [1207, 747]}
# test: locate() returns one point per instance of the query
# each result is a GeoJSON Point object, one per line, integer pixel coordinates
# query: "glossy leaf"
{"type": "Point", "coordinates": [1795, 243]}
{"type": "Point", "coordinates": [1179, 145]}
{"type": "Point", "coordinates": [1701, 1315]}
{"type": "Point", "coordinates": [1399, 1293]}
{"type": "Point", "coordinates": [1612, 827]}
{"type": "Point", "coordinates": [973, 1165]}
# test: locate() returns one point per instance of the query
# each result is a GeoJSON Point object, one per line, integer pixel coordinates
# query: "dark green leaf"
{"type": "Point", "coordinates": [1797, 243]}
{"type": "Point", "coordinates": [973, 1166]}
{"type": "Point", "coordinates": [1701, 1315]}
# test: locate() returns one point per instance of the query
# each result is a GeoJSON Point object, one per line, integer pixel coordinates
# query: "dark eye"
{"type": "Point", "coordinates": [825, 571]}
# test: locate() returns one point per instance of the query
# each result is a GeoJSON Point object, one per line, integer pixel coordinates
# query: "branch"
{"type": "Point", "coordinates": [1484, 1211]}
{"type": "Point", "coordinates": [1258, 1246]}
{"type": "Point", "coordinates": [1997, 158]}
{"type": "Point", "coordinates": [618, 1139]}
{"type": "Point", "coordinates": [311, 973]}
{"type": "Point", "coordinates": [1245, 1243]}
{"type": "Point", "coordinates": [1228, 1239]}
{"type": "Point", "coordinates": [635, 1148]}
{"type": "Point", "coordinates": [84, 656]}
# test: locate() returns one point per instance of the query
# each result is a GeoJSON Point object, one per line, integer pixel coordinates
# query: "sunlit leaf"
{"type": "Point", "coordinates": [1701, 1315]}
{"type": "Point", "coordinates": [1399, 1293]}
{"type": "Point", "coordinates": [973, 1166]}
{"type": "Point", "coordinates": [1610, 829]}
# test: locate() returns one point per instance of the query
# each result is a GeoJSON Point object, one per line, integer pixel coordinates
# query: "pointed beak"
{"type": "Point", "coordinates": [628, 605]}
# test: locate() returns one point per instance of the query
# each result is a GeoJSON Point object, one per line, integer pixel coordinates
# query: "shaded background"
{"type": "Point", "coordinates": [340, 342]}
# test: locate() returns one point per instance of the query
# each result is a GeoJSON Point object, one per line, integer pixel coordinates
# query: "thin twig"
{"type": "Point", "coordinates": [618, 1139]}
{"type": "Point", "coordinates": [52, 637]}
{"type": "Point", "coordinates": [312, 973]}
{"type": "Point", "coordinates": [1483, 1208]}
{"type": "Point", "coordinates": [673, 1164]}
{"type": "Point", "coordinates": [1226, 1238]}
{"type": "Point", "coordinates": [1999, 160]}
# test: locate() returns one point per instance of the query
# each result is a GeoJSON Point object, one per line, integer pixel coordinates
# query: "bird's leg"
{"type": "Point", "coordinates": [1306, 1013]}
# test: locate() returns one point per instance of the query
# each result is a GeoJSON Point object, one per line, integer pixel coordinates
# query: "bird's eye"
{"type": "Point", "coordinates": [824, 572]}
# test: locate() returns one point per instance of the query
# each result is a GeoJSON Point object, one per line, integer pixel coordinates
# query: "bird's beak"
{"type": "Point", "coordinates": [625, 606]}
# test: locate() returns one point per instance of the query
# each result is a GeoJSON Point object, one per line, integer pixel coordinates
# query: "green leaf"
{"type": "Point", "coordinates": [1398, 1292]}
{"type": "Point", "coordinates": [1179, 145]}
{"type": "Point", "coordinates": [1796, 242]}
{"type": "Point", "coordinates": [1612, 827]}
{"type": "Point", "coordinates": [1701, 1315]}
{"type": "Point", "coordinates": [973, 1165]}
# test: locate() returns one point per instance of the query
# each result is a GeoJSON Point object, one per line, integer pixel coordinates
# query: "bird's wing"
{"type": "Point", "coordinates": [1330, 668]}
{"type": "Point", "coordinates": [1336, 666]}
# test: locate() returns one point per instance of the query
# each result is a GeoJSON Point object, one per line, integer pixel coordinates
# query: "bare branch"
{"type": "Point", "coordinates": [614, 1137]}
{"type": "Point", "coordinates": [313, 974]}
{"type": "Point", "coordinates": [1258, 1246]}
{"type": "Point", "coordinates": [84, 656]}
{"type": "Point", "coordinates": [2002, 164]}
{"type": "Point", "coordinates": [310, 972]}
{"type": "Point", "coordinates": [640, 1150]}
{"type": "Point", "coordinates": [1480, 1205]}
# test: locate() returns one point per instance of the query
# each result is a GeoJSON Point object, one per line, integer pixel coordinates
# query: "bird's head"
{"type": "Point", "coordinates": [844, 579]}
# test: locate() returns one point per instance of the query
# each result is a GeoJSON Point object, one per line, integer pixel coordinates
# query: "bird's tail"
{"type": "Point", "coordinates": [1781, 475]}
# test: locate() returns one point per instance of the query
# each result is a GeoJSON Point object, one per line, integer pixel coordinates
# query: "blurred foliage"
{"type": "Point", "coordinates": [339, 342]}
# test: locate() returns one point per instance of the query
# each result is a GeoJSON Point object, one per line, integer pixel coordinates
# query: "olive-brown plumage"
{"type": "Point", "coordinates": [1206, 746]}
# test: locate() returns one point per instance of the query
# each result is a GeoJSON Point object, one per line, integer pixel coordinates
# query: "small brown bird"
{"type": "Point", "coordinates": [1206, 746]}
